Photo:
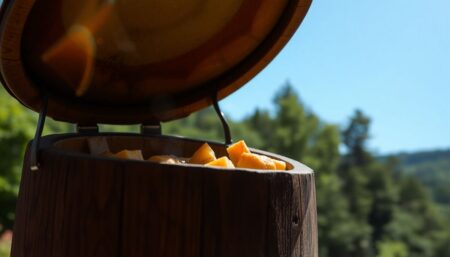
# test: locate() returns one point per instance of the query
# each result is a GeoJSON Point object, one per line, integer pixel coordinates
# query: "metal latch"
{"type": "Point", "coordinates": [34, 162]}
{"type": "Point", "coordinates": [226, 128]}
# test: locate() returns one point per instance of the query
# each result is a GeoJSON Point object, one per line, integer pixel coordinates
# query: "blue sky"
{"type": "Point", "coordinates": [390, 58]}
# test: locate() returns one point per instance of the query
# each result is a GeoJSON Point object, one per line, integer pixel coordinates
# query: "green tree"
{"type": "Point", "coordinates": [392, 249]}
{"type": "Point", "coordinates": [203, 125]}
{"type": "Point", "coordinates": [16, 128]}
{"type": "Point", "coordinates": [384, 198]}
{"type": "Point", "coordinates": [416, 221]}
{"type": "Point", "coordinates": [296, 128]}
{"type": "Point", "coordinates": [353, 172]}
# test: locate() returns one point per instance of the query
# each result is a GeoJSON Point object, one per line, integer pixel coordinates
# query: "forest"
{"type": "Point", "coordinates": [432, 168]}
{"type": "Point", "coordinates": [368, 205]}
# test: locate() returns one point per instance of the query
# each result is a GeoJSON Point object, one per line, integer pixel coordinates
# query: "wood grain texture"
{"type": "Point", "coordinates": [79, 205]}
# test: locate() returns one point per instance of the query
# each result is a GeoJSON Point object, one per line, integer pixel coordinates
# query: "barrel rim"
{"type": "Point", "coordinates": [48, 145]}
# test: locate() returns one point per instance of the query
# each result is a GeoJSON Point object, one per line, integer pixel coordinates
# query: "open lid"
{"type": "Point", "coordinates": [134, 61]}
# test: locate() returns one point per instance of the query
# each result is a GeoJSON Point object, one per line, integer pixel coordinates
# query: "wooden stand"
{"type": "Point", "coordinates": [82, 205]}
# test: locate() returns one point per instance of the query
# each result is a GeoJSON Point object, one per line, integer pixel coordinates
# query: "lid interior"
{"type": "Point", "coordinates": [133, 61]}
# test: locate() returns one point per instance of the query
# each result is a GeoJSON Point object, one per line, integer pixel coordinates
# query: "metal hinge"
{"type": "Point", "coordinates": [151, 129]}
{"type": "Point", "coordinates": [87, 129]}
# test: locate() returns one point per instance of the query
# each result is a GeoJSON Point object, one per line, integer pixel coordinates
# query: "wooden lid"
{"type": "Point", "coordinates": [134, 61]}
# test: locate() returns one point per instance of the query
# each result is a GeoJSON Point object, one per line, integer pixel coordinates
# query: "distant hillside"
{"type": "Point", "coordinates": [417, 158]}
{"type": "Point", "coordinates": [432, 168]}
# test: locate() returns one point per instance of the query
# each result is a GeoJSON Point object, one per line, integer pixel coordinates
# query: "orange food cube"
{"type": "Point", "coordinates": [221, 162]}
{"type": "Point", "coordinates": [170, 159]}
{"type": "Point", "coordinates": [203, 155]}
{"type": "Point", "coordinates": [130, 155]}
{"type": "Point", "coordinates": [256, 161]}
{"type": "Point", "coordinates": [280, 165]}
{"type": "Point", "coordinates": [236, 150]}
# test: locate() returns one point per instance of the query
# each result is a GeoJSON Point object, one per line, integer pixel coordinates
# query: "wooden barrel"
{"type": "Point", "coordinates": [77, 204]}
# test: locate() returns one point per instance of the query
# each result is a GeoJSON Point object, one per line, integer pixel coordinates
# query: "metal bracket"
{"type": "Point", "coordinates": [87, 129]}
{"type": "Point", "coordinates": [151, 129]}
{"type": "Point", "coordinates": [34, 163]}
{"type": "Point", "coordinates": [226, 128]}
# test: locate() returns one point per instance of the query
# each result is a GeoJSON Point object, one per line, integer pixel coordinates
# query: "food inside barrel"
{"type": "Point", "coordinates": [238, 156]}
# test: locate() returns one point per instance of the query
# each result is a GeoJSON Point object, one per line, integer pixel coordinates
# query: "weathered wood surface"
{"type": "Point", "coordinates": [77, 205]}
